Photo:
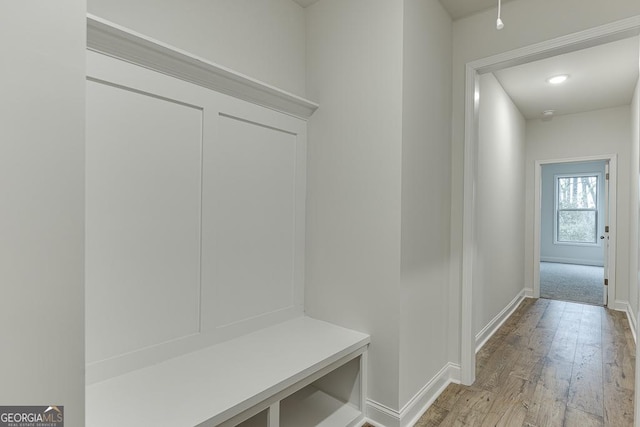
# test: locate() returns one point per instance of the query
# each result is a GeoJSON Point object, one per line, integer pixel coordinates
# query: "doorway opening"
{"type": "Point", "coordinates": [559, 240]}
{"type": "Point", "coordinates": [573, 42]}
{"type": "Point", "coordinates": [573, 236]}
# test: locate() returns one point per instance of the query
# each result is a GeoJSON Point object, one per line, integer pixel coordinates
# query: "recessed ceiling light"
{"type": "Point", "coordinates": [556, 80]}
{"type": "Point", "coordinates": [548, 115]}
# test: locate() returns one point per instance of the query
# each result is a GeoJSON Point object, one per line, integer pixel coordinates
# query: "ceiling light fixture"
{"type": "Point", "coordinates": [499, 23]}
{"type": "Point", "coordinates": [556, 80]}
{"type": "Point", "coordinates": [547, 115]}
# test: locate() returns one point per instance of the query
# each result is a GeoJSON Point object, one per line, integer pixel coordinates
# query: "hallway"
{"type": "Point", "coordinates": [552, 363]}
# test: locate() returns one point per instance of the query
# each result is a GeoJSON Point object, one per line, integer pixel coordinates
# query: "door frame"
{"type": "Point", "coordinates": [618, 30]}
{"type": "Point", "coordinates": [537, 220]}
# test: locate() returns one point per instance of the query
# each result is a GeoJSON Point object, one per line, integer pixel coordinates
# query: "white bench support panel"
{"type": "Point", "coordinates": [274, 415]}
{"type": "Point", "coordinates": [232, 381]}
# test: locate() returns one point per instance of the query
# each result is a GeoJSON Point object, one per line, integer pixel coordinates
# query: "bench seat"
{"type": "Point", "coordinates": [229, 382]}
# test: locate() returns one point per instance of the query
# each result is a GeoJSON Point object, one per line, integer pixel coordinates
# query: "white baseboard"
{"type": "Point", "coordinates": [528, 293]}
{"type": "Point", "coordinates": [382, 416]}
{"type": "Point", "coordinates": [625, 306]}
{"type": "Point", "coordinates": [571, 261]}
{"type": "Point", "coordinates": [487, 332]}
{"type": "Point", "coordinates": [417, 406]}
{"type": "Point", "coordinates": [632, 322]}
{"type": "Point", "coordinates": [370, 421]}
{"type": "Point", "coordinates": [618, 305]}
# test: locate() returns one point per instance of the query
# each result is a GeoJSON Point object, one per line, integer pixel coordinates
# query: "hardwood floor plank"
{"type": "Point", "coordinates": [545, 411]}
{"type": "Point", "coordinates": [577, 418]}
{"type": "Point", "coordinates": [588, 356]}
{"type": "Point", "coordinates": [621, 376]}
{"type": "Point", "coordinates": [586, 391]}
{"type": "Point", "coordinates": [563, 347]}
{"type": "Point", "coordinates": [549, 402]}
{"type": "Point", "coordinates": [530, 319]}
{"type": "Point", "coordinates": [435, 418]}
{"type": "Point", "coordinates": [555, 379]}
{"type": "Point", "coordinates": [472, 418]}
{"type": "Point", "coordinates": [470, 409]}
{"type": "Point", "coordinates": [515, 390]}
{"type": "Point", "coordinates": [618, 406]}
{"type": "Point", "coordinates": [512, 415]}
{"type": "Point", "coordinates": [497, 368]}
{"type": "Point", "coordinates": [450, 396]}
{"type": "Point", "coordinates": [551, 317]}
{"type": "Point", "coordinates": [528, 366]}
{"type": "Point", "coordinates": [590, 331]}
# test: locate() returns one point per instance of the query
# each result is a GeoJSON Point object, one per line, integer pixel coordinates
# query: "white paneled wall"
{"type": "Point", "coordinates": [195, 217]}
{"type": "Point", "coordinates": [250, 213]}
{"type": "Point", "coordinates": [143, 220]}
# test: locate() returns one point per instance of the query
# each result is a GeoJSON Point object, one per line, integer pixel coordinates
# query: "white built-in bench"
{"type": "Point", "coordinates": [302, 372]}
{"type": "Point", "coordinates": [195, 238]}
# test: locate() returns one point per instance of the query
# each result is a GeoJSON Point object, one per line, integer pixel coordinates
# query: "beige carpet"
{"type": "Point", "coordinates": [571, 282]}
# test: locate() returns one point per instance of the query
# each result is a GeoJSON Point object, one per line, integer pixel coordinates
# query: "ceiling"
{"type": "Point", "coordinates": [456, 8]}
{"type": "Point", "coordinates": [461, 8]}
{"type": "Point", "coordinates": [305, 3]}
{"type": "Point", "coordinates": [600, 77]}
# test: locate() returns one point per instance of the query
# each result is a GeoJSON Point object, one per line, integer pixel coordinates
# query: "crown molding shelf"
{"type": "Point", "coordinates": [119, 42]}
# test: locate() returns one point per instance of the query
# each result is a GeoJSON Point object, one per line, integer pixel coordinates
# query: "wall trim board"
{"type": "Point", "coordinates": [625, 306]}
{"type": "Point", "coordinates": [383, 416]}
{"type": "Point", "coordinates": [570, 261]}
{"type": "Point", "coordinates": [413, 410]}
{"type": "Point", "coordinates": [119, 42]}
{"type": "Point", "coordinates": [372, 422]}
{"type": "Point", "coordinates": [632, 322]}
{"type": "Point", "coordinates": [487, 332]}
{"type": "Point", "coordinates": [528, 293]}
{"type": "Point", "coordinates": [618, 305]}
{"type": "Point", "coordinates": [595, 36]}
{"type": "Point", "coordinates": [591, 37]}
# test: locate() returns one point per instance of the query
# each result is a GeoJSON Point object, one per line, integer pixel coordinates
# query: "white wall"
{"type": "Point", "coordinates": [426, 159]}
{"type": "Point", "coordinates": [42, 207]}
{"type": "Point", "coordinates": [551, 251]}
{"type": "Point", "coordinates": [475, 37]}
{"type": "Point", "coordinates": [354, 71]}
{"type": "Point", "coordinates": [378, 169]}
{"type": "Point", "coordinates": [593, 133]}
{"type": "Point", "coordinates": [261, 39]}
{"type": "Point", "coordinates": [499, 263]}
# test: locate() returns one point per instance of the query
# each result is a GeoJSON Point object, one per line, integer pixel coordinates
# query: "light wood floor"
{"type": "Point", "coordinates": [552, 363]}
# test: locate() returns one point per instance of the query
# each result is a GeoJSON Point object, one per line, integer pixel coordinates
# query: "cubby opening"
{"type": "Point", "coordinates": [333, 400]}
